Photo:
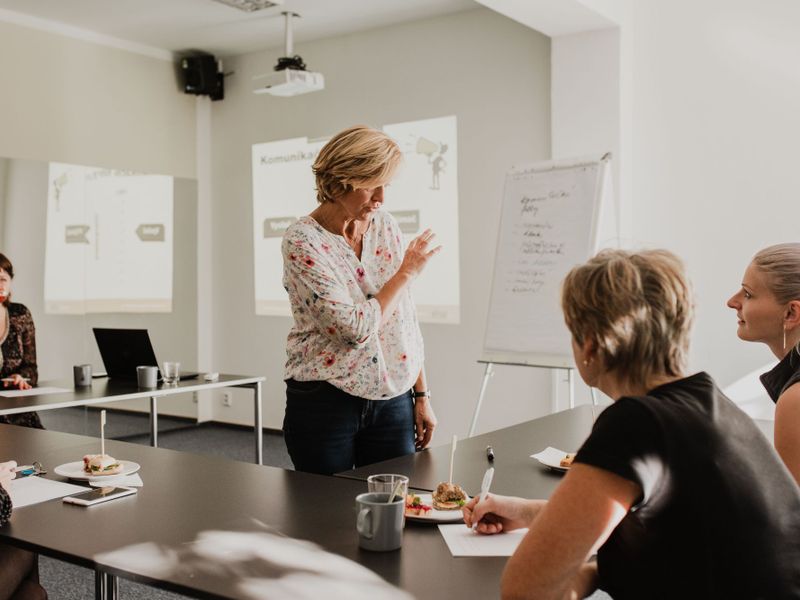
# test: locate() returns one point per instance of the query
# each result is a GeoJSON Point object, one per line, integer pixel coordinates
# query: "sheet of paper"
{"type": "Point", "coordinates": [32, 392]}
{"type": "Point", "coordinates": [32, 490]}
{"type": "Point", "coordinates": [464, 542]}
{"type": "Point", "coordinates": [121, 481]}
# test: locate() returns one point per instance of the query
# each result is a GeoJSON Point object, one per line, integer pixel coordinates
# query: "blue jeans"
{"type": "Point", "coordinates": [329, 431]}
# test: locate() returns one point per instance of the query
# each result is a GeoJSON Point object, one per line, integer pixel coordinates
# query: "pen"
{"type": "Point", "coordinates": [10, 379]}
{"type": "Point", "coordinates": [487, 481]}
{"type": "Point", "coordinates": [489, 453]}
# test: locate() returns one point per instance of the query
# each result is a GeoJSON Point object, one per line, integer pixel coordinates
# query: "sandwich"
{"type": "Point", "coordinates": [566, 462]}
{"type": "Point", "coordinates": [415, 507]}
{"type": "Point", "coordinates": [101, 464]}
{"type": "Point", "coordinates": [449, 496]}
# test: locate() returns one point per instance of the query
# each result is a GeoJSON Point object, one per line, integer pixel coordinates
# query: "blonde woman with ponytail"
{"type": "Point", "coordinates": [768, 309]}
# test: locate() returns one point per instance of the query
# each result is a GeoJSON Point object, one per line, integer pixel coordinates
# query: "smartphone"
{"type": "Point", "coordinates": [98, 495]}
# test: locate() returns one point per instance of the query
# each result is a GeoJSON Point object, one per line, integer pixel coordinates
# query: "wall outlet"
{"type": "Point", "coordinates": [227, 398]}
{"type": "Point", "coordinates": [194, 397]}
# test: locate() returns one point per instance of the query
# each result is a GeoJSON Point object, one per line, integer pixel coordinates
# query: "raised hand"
{"type": "Point", "coordinates": [418, 253]}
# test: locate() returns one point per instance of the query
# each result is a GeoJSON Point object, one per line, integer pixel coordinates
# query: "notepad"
{"type": "Point", "coordinates": [33, 490]}
{"type": "Point", "coordinates": [462, 541]}
{"type": "Point", "coordinates": [32, 392]}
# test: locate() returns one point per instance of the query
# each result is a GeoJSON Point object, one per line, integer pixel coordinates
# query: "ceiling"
{"type": "Point", "coordinates": [178, 25]}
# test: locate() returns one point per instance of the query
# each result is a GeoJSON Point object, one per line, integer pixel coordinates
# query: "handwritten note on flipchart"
{"type": "Point", "coordinates": [548, 225]}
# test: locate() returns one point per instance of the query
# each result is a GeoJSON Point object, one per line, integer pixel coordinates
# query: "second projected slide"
{"type": "Point", "coordinates": [109, 241]}
{"type": "Point", "coordinates": [424, 194]}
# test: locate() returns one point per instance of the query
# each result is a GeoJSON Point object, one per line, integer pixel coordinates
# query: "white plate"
{"type": "Point", "coordinates": [551, 457]}
{"type": "Point", "coordinates": [74, 470]}
{"type": "Point", "coordinates": [436, 516]}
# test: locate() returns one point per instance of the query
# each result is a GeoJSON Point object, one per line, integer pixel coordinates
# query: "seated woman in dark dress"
{"type": "Point", "coordinates": [17, 345]}
{"type": "Point", "coordinates": [19, 573]}
{"type": "Point", "coordinates": [676, 489]}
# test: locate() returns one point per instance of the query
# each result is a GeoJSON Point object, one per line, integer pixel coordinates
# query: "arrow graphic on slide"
{"type": "Point", "coordinates": [76, 234]}
{"type": "Point", "coordinates": [151, 232]}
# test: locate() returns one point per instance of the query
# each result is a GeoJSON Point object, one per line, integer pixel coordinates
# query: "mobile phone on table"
{"type": "Point", "coordinates": [98, 495]}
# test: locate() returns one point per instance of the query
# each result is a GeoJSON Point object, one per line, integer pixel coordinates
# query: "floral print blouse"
{"type": "Point", "coordinates": [5, 506]}
{"type": "Point", "coordinates": [18, 356]}
{"type": "Point", "coordinates": [337, 334]}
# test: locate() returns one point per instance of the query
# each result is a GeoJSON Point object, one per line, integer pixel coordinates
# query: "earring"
{"type": "Point", "coordinates": [586, 362]}
{"type": "Point", "coordinates": [784, 339]}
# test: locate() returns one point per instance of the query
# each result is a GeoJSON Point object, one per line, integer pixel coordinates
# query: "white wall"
{"type": "Point", "coordinates": [710, 110]}
{"type": "Point", "coordinates": [79, 102]}
{"type": "Point", "coordinates": [489, 71]}
{"type": "Point", "coordinates": [586, 120]}
{"type": "Point", "coordinates": [716, 125]}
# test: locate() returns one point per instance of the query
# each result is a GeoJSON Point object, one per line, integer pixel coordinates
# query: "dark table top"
{"type": "Point", "coordinates": [154, 535]}
{"type": "Point", "coordinates": [105, 390]}
{"type": "Point", "coordinates": [516, 474]}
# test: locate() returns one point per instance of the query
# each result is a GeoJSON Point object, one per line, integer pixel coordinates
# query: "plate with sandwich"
{"type": "Point", "coordinates": [442, 506]}
{"type": "Point", "coordinates": [556, 459]}
{"type": "Point", "coordinates": [96, 467]}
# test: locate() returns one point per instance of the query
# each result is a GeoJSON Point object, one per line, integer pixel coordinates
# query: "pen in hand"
{"type": "Point", "coordinates": [487, 482]}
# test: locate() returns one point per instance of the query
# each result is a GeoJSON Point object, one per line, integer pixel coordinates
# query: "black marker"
{"type": "Point", "coordinates": [489, 453]}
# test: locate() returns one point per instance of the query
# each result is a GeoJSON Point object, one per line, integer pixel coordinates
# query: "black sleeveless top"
{"type": "Point", "coordinates": [783, 376]}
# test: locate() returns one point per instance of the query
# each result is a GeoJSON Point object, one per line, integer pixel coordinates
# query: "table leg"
{"type": "Point", "coordinates": [106, 586]}
{"type": "Point", "coordinates": [154, 422]}
{"type": "Point", "coordinates": [257, 426]}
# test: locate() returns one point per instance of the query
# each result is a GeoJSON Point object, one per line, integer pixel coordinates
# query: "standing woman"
{"type": "Point", "coordinates": [17, 345]}
{"type": "Point", "coordinates": [356, 391]}
{"type": "Point", "coordinates": [768, 309]}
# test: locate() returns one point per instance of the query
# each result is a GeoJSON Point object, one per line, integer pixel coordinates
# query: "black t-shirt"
{"type": "Point", "coordinates": [720, 513]}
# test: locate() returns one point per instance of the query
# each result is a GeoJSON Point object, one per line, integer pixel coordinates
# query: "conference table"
{"type": "Point", "coordinates": [212, 528]}
{"type": "Point", "coordinates": [516, 473]}
{"type": "Point", "coordinates": [104, 390]}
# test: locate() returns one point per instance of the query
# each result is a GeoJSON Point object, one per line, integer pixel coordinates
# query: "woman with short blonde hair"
{"type": "Point", "coordinates": [676, 490]}
{"type": "Point", "coordinates": [768, 310]}
{"type": "Point", "coordinates": [356, 390]}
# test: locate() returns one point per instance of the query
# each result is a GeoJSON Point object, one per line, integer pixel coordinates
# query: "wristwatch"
{"type": "Point", "coordinates": [425, 394]}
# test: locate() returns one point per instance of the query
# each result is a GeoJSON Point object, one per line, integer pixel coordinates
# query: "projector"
{"type": "Point", "coordinates": [288, 82]}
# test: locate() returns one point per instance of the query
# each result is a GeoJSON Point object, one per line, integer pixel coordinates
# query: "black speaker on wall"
{"type": "Point", "coordinates": [200, 75]}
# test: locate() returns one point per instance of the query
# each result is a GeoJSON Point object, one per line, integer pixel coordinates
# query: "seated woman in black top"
{"type": "Point", "coordinates": [768, 309]}
{"type": "Point", "coordinates": [676, 489]}
{"type": "Point", "coordinates": [19, 574]}
{"type": "Point", "coordinates": [17, 346]}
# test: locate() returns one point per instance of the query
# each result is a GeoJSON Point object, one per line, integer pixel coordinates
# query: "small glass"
{"type": "Point", "coordinates": [386, 482]}
{"type": "Point", "coordinates": [172, 372]}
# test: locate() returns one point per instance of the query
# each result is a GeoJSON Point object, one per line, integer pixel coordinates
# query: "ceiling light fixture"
{"type": "Point", "coordinates": [251, 5]}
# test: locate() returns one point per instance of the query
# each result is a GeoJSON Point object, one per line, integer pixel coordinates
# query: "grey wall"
{"type": "Point", "coordinates": [490, 72]}
{"type": "Point", "coordinates": [66, 340]}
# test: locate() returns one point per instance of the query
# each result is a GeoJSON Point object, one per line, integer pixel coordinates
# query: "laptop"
{"type": "Point", "coordinates": [122, 350]}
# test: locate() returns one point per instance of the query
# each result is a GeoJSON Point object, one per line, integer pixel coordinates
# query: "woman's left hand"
{"type": "Point", "coordinates": [425, 422]}
{"type": "Point", "coordinates": [17, 381]}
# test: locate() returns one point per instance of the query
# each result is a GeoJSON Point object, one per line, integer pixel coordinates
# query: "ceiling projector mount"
{"type": "Point", "coordinates": [290, 77]}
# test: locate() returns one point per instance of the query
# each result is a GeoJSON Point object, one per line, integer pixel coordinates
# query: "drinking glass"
{"type": "Point", "coordinates": [386, 482]}
{"type": "Point", "coordinates": [172, 372]}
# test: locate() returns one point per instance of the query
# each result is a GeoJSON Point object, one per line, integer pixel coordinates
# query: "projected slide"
{"type": "Point", "coordinates": [424, 194]}
{"type": "Point", "coordinates": [109, 241]}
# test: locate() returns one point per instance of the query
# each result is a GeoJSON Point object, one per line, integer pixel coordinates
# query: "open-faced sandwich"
{"type": "Point", "coordinates": [449, 496]}
{"type": "Point", "coordinates": [101, 464]}
{"type": "Point", "coordinates": [566, 462]}
{"type": "Point", "coordinates": [415, 507]}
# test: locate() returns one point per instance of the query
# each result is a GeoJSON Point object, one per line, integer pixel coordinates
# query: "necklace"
{"type": "Point", "coordinates": [354, 243]}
